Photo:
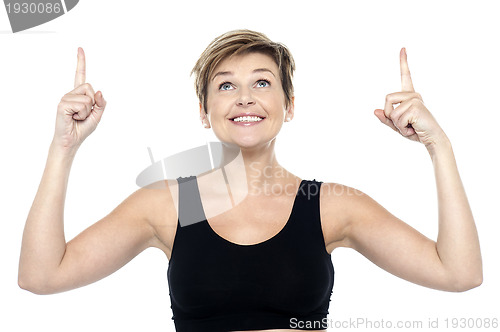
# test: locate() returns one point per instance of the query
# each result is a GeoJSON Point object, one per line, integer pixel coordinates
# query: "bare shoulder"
{"type": "Point", "coordinates": [348, 214]}
{"type": "Point", "coordinates": [137, 223]}
{"type": "Point", "coordinates": [161, 201]}
{"type": "Point", "coordinates": [337, 202]}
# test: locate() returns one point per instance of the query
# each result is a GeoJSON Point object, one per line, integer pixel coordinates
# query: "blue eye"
{"type": "Point", "coordinates": [225, 86]}
{"type": "Point", "coordinates": [260, 85]}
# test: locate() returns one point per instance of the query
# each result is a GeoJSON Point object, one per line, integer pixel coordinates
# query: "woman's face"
{"type": "Point", "coordinates": [247, 84]}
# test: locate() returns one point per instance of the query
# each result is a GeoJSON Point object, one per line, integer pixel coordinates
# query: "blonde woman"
{"type": "Point", "coordinates": [264, 263]}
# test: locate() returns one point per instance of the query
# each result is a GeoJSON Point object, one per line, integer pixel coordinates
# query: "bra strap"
{"type": "Point", "coordinates": [190, 207]}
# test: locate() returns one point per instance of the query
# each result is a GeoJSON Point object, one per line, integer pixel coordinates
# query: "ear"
{"type": "Point", "coordinates": [290, 109]}
{"type": "Point", "coordinates": [204, 117]}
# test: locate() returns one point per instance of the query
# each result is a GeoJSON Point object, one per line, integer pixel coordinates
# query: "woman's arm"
{"type": "Point", "coordinates": [50, 265]}
{"type": "Point", "coordinates": [453, 262]}
{"type": "Point", "coordinates": [43, 242]}
{"type": "Point", "coordinates": [47, 263]}
{"type": "Point", "coordinates": [458, 241]}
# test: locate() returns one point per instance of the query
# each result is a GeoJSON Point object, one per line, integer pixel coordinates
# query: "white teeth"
{"type": "Point", "coordinates": [247, 119]}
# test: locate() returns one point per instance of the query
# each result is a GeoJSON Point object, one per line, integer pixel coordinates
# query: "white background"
{"type": "Point", "coordinates": [140, 55]}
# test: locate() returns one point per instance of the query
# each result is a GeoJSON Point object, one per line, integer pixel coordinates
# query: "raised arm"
{"type": "Point", "coordinates": [453, 262]}
{"type": "Point", "coordinates": [47, 263]}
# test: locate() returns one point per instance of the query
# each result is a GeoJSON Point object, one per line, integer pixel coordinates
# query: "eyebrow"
{"type": "Point", "coordinates": [258, 70]}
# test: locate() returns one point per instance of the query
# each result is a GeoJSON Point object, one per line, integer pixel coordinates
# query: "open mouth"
{"type": "Point", "coordinates": [245, 119]}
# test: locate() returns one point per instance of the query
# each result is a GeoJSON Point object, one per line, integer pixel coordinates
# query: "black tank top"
{"type": "Point", "coordinates": [218, 285]}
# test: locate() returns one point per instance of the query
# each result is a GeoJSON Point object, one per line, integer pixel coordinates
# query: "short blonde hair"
{"type": "Point", "coordinates": [237, 42]}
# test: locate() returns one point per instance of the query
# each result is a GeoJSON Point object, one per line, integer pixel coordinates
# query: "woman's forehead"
{"type": "Point", "coordinates": [249, 62]}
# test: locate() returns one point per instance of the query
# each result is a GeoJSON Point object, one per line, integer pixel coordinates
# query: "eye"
{"type": "Point", "coordinates": [225, 86]}
{"type": "Point", "coordinates": [263, 83]}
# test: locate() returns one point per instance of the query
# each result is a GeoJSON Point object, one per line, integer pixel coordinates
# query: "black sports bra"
{"type": "Point", "coordinates": [218, 285]}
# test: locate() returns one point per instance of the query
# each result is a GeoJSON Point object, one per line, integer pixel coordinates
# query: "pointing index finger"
{"type": "Point", "coordinates": [406, 83]}
{"type": "Point", "coordinates": [80, 68]}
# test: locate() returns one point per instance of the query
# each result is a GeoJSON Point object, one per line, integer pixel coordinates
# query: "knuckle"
{"type": "Point", "coordinates": [399, 124]}
{"type": "Point", "coordinates": [61, 107]}
{"type": "Point", "coordinates": [415, 101]}
{"type": "Point", "coordinates": [88, 86]}
{"type": "Point", "coordinates": [393, 115]}
{"type": "Point", "coordinates": [88, 100]}
{"type": "Point", "coordinates": [81, 107]}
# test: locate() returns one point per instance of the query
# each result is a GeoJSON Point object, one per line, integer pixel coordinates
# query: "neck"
{"type": "Point", "coordinates": [257, 165]}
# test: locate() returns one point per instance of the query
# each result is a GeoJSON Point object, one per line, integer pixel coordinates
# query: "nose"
{"type": "Point", "coordinates": [245, 98]}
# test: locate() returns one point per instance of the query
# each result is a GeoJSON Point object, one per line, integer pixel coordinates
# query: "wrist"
{"type": "Point", "coordinates": [439, 146]}
{"type": "Point", "coordinates": [59, 151]}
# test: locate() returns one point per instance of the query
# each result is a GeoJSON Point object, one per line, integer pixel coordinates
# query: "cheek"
{"type": "Point", "coordinates": [215, 105]}
{"type": "Point", "coordinates": [273, 103]}
{"type": "Point", "coordinates": [219, 109]}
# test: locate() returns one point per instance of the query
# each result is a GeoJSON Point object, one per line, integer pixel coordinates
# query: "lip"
{"type": "Point", "coordinates": [247, 124]}
{"type": "Point", "coordinates": [247, 114]}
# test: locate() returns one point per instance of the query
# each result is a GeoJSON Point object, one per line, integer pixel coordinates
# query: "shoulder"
{"type": "Point", "coordinates": [351, 212]}
{"type": "Point", "coordinates": [158, 201]}
{"type": "Point", "coordinates": [338, 204]}
{"type": "Point", "coordinates": [339, 198]}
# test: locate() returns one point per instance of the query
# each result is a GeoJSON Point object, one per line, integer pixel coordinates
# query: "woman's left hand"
{"type": "Point", "coordinates": [410, 118]}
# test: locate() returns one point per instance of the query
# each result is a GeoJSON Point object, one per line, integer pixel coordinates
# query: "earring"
{"type": "Point", "coordinates": [205, 125]}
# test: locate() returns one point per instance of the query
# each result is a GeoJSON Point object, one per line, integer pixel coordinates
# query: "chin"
{"type": "Point", "coordinates": [247, 143]}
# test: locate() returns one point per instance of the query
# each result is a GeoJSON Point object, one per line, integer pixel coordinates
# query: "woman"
{"type": "Point", "coordinates": [265, 262]}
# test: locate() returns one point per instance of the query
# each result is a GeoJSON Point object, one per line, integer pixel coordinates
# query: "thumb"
{"type": "Point", "coordinates": [381, 116]}
{"type": "Point", "coordinates": [100, 102]}
{"type": "Point", "coordinates": [100, 105]}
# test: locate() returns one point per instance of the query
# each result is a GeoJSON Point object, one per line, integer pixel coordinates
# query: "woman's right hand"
{"type": "Point", "coordinates": [78, 112]}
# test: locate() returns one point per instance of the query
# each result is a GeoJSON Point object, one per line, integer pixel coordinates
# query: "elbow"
{"type": "Point", "coordinates": [34, 287]}
{"type": "Point", "coordinates": [29, 287]}
{"type": "Point", "coordinates": [465, 284]}
{"type": "Point", "coordinates": [23, 284]}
